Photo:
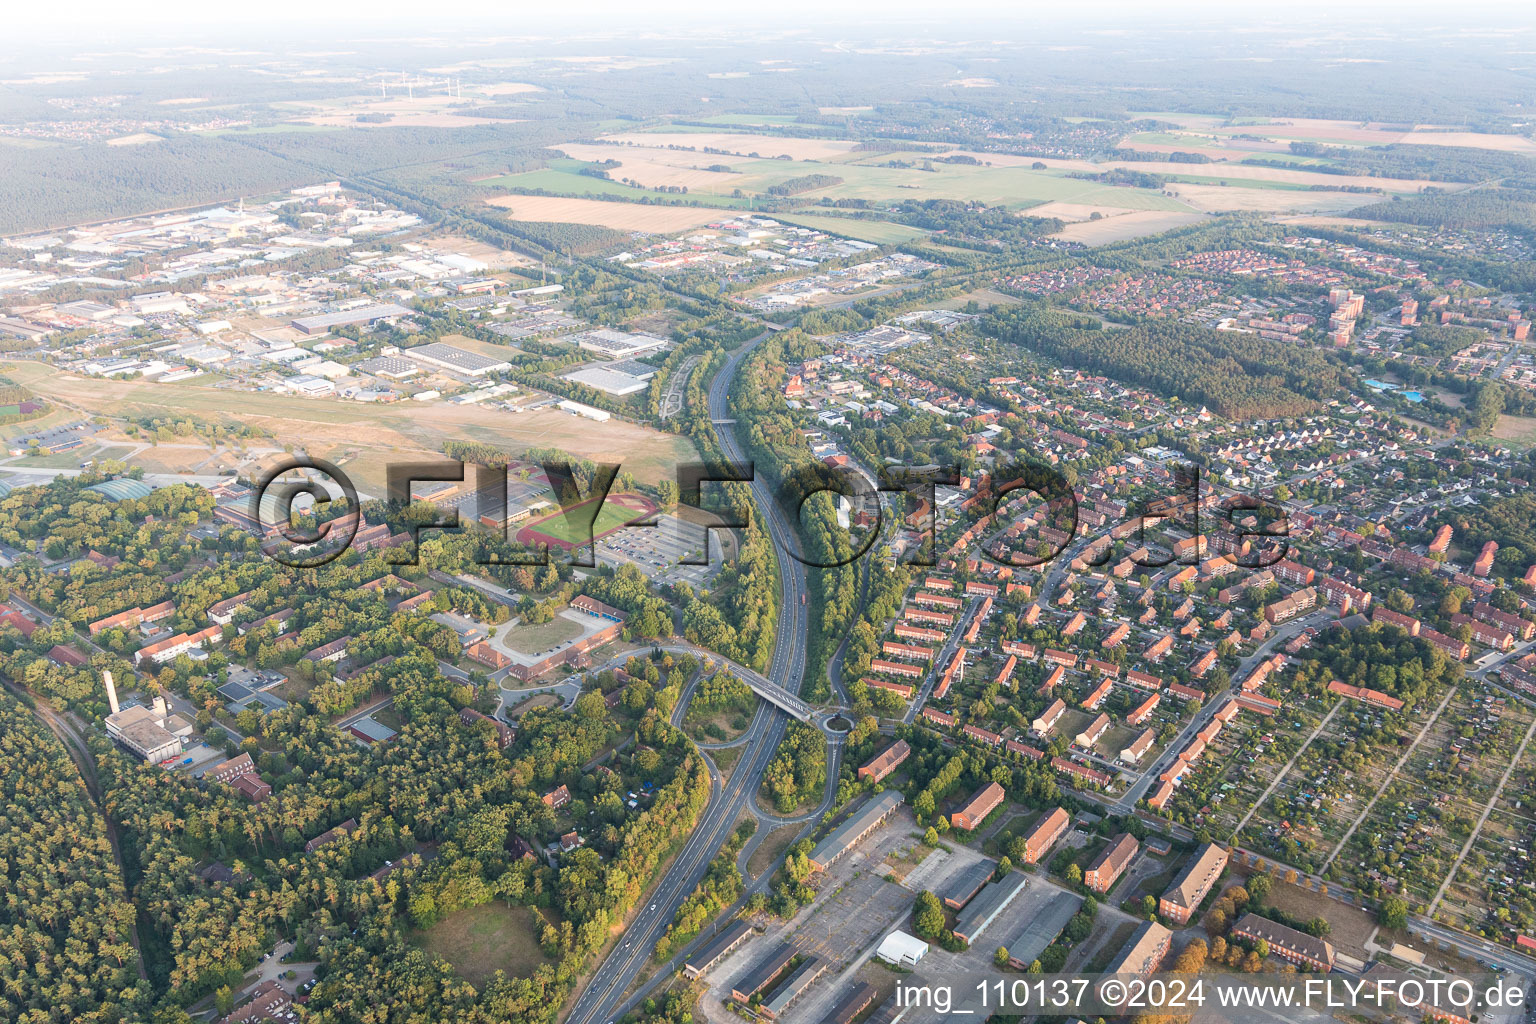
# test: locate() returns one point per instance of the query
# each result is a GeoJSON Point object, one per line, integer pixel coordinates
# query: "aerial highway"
{"type": "Point", "coordinates": [599, 1000]}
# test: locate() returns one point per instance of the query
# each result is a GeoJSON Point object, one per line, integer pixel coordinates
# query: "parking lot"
{"type": "Point", "coordinates": [658, 549]}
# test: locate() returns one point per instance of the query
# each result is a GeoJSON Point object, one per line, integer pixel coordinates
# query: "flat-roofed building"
{"type": "Point", "coordinates": [1193, 883]}
{"type": "Point", "coordinates": [456, 360]}
{"type": "Point", "coordinates": [851, 832]}
{"type": "Point", "coordinates": [617, 344]}
{"type": "Point", "coordinates": [901, 948]}
{"type": "Point", "coordinates": [323, 322]}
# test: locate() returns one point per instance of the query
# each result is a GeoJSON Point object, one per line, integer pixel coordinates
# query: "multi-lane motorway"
{"type": "Point", "coordinates": [604, 993]}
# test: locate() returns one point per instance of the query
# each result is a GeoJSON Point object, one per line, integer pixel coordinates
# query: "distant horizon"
{"type": "Point", "coordinates": [110, 26]}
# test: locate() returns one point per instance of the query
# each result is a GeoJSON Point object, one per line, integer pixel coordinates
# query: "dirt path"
{"type": "Point", "coordinates": [1450, 692]}
{"type": "Point", "coordinates": [1450, 876]}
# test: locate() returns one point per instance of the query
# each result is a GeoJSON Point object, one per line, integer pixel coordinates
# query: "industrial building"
{"type": "Point", "coordinates": [966, 883]}
{"type": "Point", "coordinates": [717, 949]}
{"type": "Point", "coordinates": [983, 910]}
{"type": "Point", "coordinates": [152, 733]}
{"type": "Point", "coordinates": [455, 360]}
{"type": "Point", "coordinates": [617, 344]}
{"type": "Point", "coordinates": [764, 971]}
{"type": "Point", "coordinates": [794, 986]}
{"type": "Point", "coordinates": [1041, 929]}
{"type": "Point", "coordinates": [901, 948]}
{"type": "Point", "coordinates": [323, 322]}
{"type": "Point", "coordinates": [848, 835]}
{"type": "Point", "coordinates": [853, 1004]}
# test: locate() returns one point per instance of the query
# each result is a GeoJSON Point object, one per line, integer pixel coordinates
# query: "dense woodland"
{"type": "Point", "coordinates": [1240, 376]}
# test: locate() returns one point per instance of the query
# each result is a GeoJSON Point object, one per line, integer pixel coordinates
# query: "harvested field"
{"type": "Point", "coordinates": [1219, 198]}
{"type": "Point", "coordinates": [1279, 175]}
{"type": "Point", "coordinates": [1125, 225]}
{"type": "Point", "coordinates": [661, 220]}
{"type": "Point", "coordinates": [1472, 140]}
{"type": "Point", "coordinates": [1070, 211]}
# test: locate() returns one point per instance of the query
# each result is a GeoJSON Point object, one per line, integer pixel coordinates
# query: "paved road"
{"type": "Point", "coordinates": [1208, 710]}
{"type": "Point", "coordinates": [600, 999]}
{"type": "Point", "coordinates": [941, 660]}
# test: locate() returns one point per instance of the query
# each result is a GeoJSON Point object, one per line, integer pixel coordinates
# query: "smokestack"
{"type": "Point", "coordinates": [160, 709]}
{"type": "Point", "coordinates": [106, 677]}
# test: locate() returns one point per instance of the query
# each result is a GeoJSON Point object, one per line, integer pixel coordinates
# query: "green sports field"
{"type": "Point", "coordinates": [568, 528]}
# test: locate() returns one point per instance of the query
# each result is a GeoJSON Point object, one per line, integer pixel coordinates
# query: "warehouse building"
{"type": "Point", "coordinates": [764, 971]}
{"type": "Point", "coordinates": [794, 986]}
{"type": "Point", "coordinates": [901, 949]}
{"type": "Point", "coordinates": [963, 887]}
{"type": "Point", "coordinates": [455, 360]}
{"type": "Point", "coordinates": [323, 322]}
{"type": "Point", "coordinates": [618, 344]}
{"type": "Point", "coordinates": [983, 910]}
{"type": "Point", "coordinates": [717, 949]}
{"type": "Point", "coordinates": [853, 1004]}
{"type": "Point", "coordinates": [1041, 929]}
{"type": "Point", "coordinates": [851, 832]}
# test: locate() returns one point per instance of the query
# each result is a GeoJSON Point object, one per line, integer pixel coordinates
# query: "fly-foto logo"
{"type": "Point", "coordinates": [1251, 531]}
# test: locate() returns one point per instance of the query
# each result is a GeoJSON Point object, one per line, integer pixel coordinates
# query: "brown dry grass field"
{"type": "Point", "coordinates": [619, 216]}
{"type": "Point", "coordinates": [1472, 140]}
{"type": "Point", "coordinates": [1521, 429]}
{"type": "Point", "coordinates": [655, 167]}
{"type": "Point", "coordinates": [383, 430]}
{"type": "Point", "coordinates": [1125, 225]}
{"type": "Point", "coordinates": [482, 940]}
{"type": "Point", "coordinates": [1219, 198]}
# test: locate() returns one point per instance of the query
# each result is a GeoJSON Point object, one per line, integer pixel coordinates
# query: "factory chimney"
{"type": "Point", "coordinates": [106, 677]}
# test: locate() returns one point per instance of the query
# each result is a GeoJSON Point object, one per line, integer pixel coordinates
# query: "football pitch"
{"type": "Point", "coordinates": [567, 527]}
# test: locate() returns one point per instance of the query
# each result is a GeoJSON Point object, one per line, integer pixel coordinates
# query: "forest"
{"type": "Point", "coordinates": [1239, 376]}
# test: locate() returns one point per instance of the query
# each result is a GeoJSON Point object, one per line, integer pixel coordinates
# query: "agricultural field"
{"type": "Point", "coordinates": [880, 232]}
{"type": "Point", "coordinates": [652, 219]}
{"type": "Point", "coordinates": [1122, 225]}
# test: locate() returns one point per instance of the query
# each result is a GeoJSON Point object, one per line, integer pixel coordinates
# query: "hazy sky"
{"type": "Point", "coordinates": [97, 22]}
